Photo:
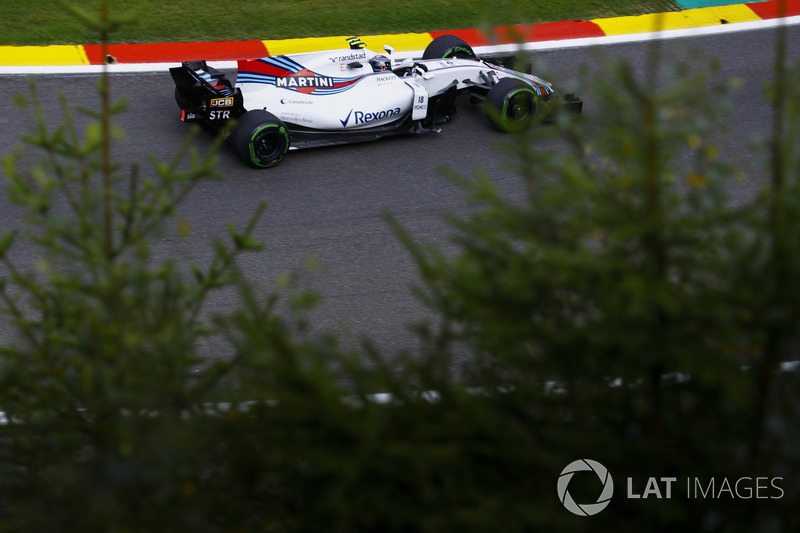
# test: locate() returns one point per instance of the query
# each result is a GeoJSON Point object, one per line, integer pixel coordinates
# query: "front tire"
{"type": "Point", "coordinates": [447, 47]}
{"type": "Point", "coordinates": [260, 139]}
{"type": "Point", "coordinates": [511, 105]}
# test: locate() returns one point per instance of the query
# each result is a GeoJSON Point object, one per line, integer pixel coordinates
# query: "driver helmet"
{"type": "Point", "coordinates": [380, 64]}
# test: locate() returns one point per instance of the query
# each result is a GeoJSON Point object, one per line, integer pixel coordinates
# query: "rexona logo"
{"type": "Point", "coordinates": [585, 509]}
{"type": "Point", "coordinates": [361, 117]}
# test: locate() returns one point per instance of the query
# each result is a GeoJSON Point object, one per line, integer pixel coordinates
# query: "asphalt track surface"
{"type": "Point", "coordinates": [328, 203]}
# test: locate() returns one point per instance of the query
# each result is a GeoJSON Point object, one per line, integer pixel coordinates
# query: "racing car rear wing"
{"type": "Point", "coordinates": [192, 75]}
{"type": "Point", "coordinates": [205, 95]}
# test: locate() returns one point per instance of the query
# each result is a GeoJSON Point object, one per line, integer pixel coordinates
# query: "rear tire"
{"type": "Point", "coordinates": [448, 47]}
{"type": "Point", "coordinates": [260, 139]}
{"type": "Point", "coordinates": [511, 105]}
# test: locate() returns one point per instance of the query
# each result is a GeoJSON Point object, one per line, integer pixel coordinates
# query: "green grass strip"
{"type": "Point", "coordinates": [39, 22]}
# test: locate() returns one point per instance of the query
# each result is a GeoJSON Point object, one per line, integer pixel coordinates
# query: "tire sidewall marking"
{"type": "Point", "coordinates": [255, 135]}
{"type": "Point", "coordinates": [507, 101]}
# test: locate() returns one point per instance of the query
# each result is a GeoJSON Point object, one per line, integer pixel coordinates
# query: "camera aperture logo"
{"type": "Point", "coordinates": [585, 509]}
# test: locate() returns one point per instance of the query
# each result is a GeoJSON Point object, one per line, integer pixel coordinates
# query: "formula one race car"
{"type": "Point", "coordinates": [353, 94]}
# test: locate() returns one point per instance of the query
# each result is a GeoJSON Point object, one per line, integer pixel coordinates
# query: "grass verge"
{"type": "Point", "coordinates": [32, 22]}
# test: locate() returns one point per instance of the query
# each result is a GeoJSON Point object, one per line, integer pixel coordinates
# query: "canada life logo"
{"type": "Point", "coordinates": [585, 509]}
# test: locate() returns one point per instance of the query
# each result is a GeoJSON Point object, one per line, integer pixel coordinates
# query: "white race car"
{"type": "Point", "coordinates": [354, 94]}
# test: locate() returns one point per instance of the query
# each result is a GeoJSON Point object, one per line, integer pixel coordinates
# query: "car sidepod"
{"type": "Point", "coordinates": [349, 98]}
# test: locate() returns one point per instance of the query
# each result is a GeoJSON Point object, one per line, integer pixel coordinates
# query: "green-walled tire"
{"type": "Point", "coordinates": [511, 105]}
{"type": "Point", "coordinates": [260, 139]}
{"type": "Point", "coordinates": [448, 47]}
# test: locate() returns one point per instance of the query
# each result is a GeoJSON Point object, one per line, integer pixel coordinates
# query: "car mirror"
{"type": "Point", "coordinates": [390, 52]}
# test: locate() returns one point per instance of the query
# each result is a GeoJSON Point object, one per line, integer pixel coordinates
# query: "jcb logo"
{"type": "Point", "coordinates": [222, 102]}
